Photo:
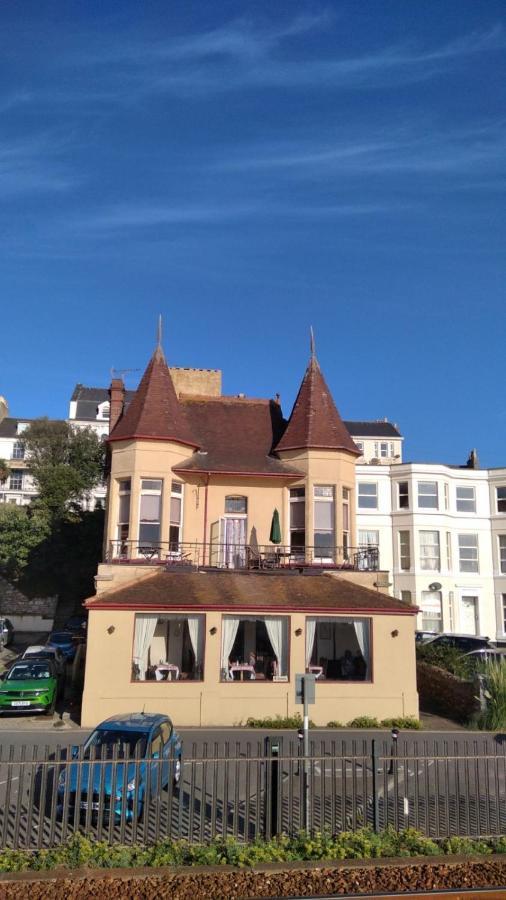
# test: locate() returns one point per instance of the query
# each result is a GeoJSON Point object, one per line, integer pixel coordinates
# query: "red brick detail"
{"type": "Point", "coordinates": [117, 397]}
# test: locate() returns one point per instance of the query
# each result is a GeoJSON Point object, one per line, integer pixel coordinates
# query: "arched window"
{"type": "Point", "coordinates": [236, 505]}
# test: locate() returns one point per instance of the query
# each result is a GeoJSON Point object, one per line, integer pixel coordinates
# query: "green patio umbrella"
{"type": "Point", "coordinates": [275, 535]}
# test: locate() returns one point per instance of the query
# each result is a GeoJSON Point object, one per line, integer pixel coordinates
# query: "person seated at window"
{"type": "Point", "coordinates": [347, 665]}
{"type": "Point", "coordinates": [252, 660]}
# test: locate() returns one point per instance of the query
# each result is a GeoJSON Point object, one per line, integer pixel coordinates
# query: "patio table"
{"type": "Point", "coordinates": [169, 668]}
{"type": "Point", "coordinates": [242, 668]}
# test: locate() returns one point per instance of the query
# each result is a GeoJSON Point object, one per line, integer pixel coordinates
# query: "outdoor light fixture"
{"type": "Point", "coordinates": [298, 632]}
{"type": "Point", "coordinates": [395, 632]}
{"type": "Point", "coordinates": [213, 630]}
{"type": "Point", "coordinates": [111, 629]}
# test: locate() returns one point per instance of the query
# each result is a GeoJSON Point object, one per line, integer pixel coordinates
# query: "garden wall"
{"type": "Point", "coordinates": [446, 694]}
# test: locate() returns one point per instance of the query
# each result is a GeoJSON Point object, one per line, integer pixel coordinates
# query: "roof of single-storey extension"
{"type": "Point", "coordinates": [236, 436]}
{"type": "Point", "coordinates": [230, 591]}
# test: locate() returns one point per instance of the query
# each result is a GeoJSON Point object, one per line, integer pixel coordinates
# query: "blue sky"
{"type": "Point", "coordinates": [249, 169]}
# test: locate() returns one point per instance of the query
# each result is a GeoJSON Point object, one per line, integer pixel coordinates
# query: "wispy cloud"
{"type": "Point", "coordinates": [478, 150]}
{"type": "Point", "coordinates": [34, 164]}
{"type": "Point", "coordinates": [241, 55]}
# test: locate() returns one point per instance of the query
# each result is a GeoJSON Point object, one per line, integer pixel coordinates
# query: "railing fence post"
{"type": "Point", "coordinates": [375, 796]}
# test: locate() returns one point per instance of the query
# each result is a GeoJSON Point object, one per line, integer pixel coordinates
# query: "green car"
{"type": "Point", "coordinates": [30, 685]}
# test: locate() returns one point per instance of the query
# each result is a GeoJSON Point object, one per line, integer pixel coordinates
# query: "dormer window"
{"type": "Point", "coordinates": [104, 411]}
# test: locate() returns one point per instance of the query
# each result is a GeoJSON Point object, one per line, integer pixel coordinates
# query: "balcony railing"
{"type": "Point", "coordinates": [241, 556]}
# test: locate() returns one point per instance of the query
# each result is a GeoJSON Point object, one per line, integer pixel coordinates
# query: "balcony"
{"type": "Point", "coordinates": [271, 557]}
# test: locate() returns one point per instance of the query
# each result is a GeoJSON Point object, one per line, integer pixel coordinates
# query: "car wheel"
{"type": "Point", "coordinates": [51, 708]}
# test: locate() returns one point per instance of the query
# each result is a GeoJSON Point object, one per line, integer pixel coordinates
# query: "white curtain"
{"type": "Point", "coordinates": [310, 636]}
{"type": "Point", "coordinates": [194, 627]}
{"type": "Point", "coordinates": [145, 627]}
{"type": "Point", "coordinates": [230, 628]}
{"type": "Point", "coordinates": [362, 634]}
{"type": "Point", "coordinates": [275, 632]}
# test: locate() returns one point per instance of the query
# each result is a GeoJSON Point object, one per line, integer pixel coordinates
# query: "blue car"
{"type": "Point", "coordinates": [135, 740]}
{"type": "Point", "coordinates": [64, 640]}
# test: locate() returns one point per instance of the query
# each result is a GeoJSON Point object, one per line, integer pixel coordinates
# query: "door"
{"type": "Point", "coordinates": [234, 542]}
{"type": "Point", "coordinates": [469, 615]}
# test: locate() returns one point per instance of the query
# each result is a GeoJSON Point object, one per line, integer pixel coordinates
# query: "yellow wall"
{"type": "Point", "coordinates": [109, 690]}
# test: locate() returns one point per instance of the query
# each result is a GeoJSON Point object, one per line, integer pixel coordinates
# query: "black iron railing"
{"type": "Point", "coordinates": [241, 556]}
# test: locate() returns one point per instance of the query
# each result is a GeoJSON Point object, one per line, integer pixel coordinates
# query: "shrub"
{"type": "Point", "coordinates": [364, 843]}
{"type": "Point", "coordinates": [494, 717]}
{"type": "Point", "coordinates": [449, 658]}
{"type": "Point", "coordinates": [334, 724]}
{"type": "Point", "coordinates": [278, 722]}
{"type": "Point", "coordinates": [408, 722]}
{"type": "Point", "coordinates": [364, 722]}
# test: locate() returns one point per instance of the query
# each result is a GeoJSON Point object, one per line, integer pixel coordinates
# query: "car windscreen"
{"type": "Point", "coordinates": [128, 744]}
{"type": "Point", "coordinates": [40, 654]}
{"type": "Point", "coordinates": [28, 671]}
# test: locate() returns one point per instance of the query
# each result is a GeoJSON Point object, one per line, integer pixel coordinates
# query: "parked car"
{"type": "Point", "coordinates": [64, 641]}
{"type": "Point", "coordinates": [47, 651]}
{"type": "Point", "coordinates": [463, 642]}
{"type": "Point", "coordinates": [484, 654]}
{"type": "Point", "coordinates": [422, 637]}
{"type": "Point", "coordinates": [30, 685]}
{"type": "Point", "coordinates": [6, 631]}
{"type": "Point", "coordinates": [144, 737]}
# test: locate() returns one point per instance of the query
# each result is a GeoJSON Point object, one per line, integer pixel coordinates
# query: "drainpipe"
{"type": "Point", "coordinates": [208, 476]}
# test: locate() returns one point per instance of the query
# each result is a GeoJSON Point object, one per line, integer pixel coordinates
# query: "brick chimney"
{"type": "Point", "coordinates": [117, 395]}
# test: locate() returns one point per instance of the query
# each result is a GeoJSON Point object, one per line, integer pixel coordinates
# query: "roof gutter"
{"type": "Point", "coordinates": [247, 610]}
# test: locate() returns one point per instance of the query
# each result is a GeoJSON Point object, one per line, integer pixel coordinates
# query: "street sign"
{"type": "Point", "coordinates": [305, 689]}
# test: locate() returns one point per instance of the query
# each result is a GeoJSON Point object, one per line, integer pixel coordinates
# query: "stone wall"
{"type": "Point", "coordinates": [197, 381]}
{"type": "Point", "coordinates": [26, 613]}
{"type": "Point", "coordinates": [443, 693]}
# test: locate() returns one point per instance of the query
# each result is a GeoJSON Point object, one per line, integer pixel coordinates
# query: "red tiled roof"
{"type": "Point", "coordinates": [236, 436]}
{"type": "Point", "coordinates": [315, 421]}
{"type": "Point", "coordinates": [229, 591]}
{"type": "Point", "coordinates": [154, 411]}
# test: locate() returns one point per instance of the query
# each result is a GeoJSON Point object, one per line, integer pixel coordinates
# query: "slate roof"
{"type": "Point", "coordinates": [315, 421]}
{"type": "Point", "coordinates": [88, 398]}
{"type": "Point", "coordinates": [236, 436]}
{"type": "Point", "coordinates": [9, 427]}
{"type": "Point", "coordinates": [229, 591]}
{"type": "Point", "coordinates": [373, 429]}
{"type": "Point", "coordinates": [154, 412]}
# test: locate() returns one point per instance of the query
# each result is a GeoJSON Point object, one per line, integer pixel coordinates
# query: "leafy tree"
{"type": "Point", "coordinates": [65, 463]}
{"type": "Point", "coordinates": [21, 531]}
{"type": "Point", "coordinates": [4, 470]}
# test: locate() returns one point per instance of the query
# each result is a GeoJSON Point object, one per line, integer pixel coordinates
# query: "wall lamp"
{"type": "Point", "coordinates": [298, 632]}
{"type": "Point", "coordinates": [213, 630]}
{"type": "Point", "coordinates": [395, 632]}
{"type": "Point", "coordinates": [111, 629]}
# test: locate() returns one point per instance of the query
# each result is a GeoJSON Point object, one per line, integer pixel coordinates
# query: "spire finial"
{"type": "Point", "coordinates": [311, 342]}
{"type": "Point", "coordinates": [159, 333]}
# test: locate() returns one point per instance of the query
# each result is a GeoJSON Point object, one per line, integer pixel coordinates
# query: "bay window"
{"type": "Point", "coordinates": [466, 499]}
{"type": "Point", "coordinates": [254, 648]}
{"type": "Point", "coordinates": [427, 495]}
{"type": "Point", "coordinates": [430, 555]}
{"type": "Point", "coordinates": [297, 519]}
{"type": "Point", "coordinates": [324, 519]}
{"type": "Point", "coordinates": [168, 647]}
{"type": "Point", "coordinates": [124, 493]}
{"type": "Point", "coordinates": [338, 649]}
{"type": "Point", "coordinates": [176, 515]}
{"type": "Point", "coordinates": [150, 512]}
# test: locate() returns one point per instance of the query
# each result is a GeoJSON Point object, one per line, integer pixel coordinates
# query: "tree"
{"type": "Point", "coordinates": [65, 463]}
{"type": "Point", "coordinates": [21, 531]}
{"type": "Point", "coordinates": [4, 470]}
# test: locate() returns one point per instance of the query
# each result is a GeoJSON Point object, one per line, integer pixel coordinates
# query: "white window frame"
{"type": "Point", "coordinates": [462, 503]}
{"type": "Point", "coordinates": [403, 494]}
{"type": "Point", "coordinates": [329, 498]}
{"type": "Point", "coordinates": [150, 492]}
{"type": "Point", "coordinates": [449, 550]}
{"type": "Point", "coordinates": [371, 494]}
{"type": "Point", "coordinates": [502, 500]}
{"type": "Point", "coordinates": [437, 618]}
{"type": "Point", "coordinates": [402, 555]}
{"type": "Point", "coordinates": [297, 498]}
{"type": "Point", "coordinates": [177, 495]}
{"type": "Point", "coordinates": [469, 563]}
{"type": "Point", "coordinates": [16, 479]}
{"type": "Point", "coordinates": [436, 557]}
{"type": "Point", "coordinates": [501, 553]}
{"type": "Point", "coordinates": [428, 494]}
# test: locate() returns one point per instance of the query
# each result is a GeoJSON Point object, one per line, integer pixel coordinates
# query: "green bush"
{"type": "Point", "coordinates": [364, 722]}
{"type": "Point", "coordinates": [494, 717]}
{"type": "Point", "coordinates": [278, 722]}
{"type": "Point", "coordinates": [409, 722]}
{"type": "Point", "coordinates": [449, 658]}
{"type": "Point", "coordinates": [79, 851]}
{"type": "Point", "coordinates": [334, 724]}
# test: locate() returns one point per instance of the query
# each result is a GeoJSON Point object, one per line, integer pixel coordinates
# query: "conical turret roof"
{"type": "Point", "coordinates": [155, 412]}
{"type": "Point", "coordinates": [315, 422]}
